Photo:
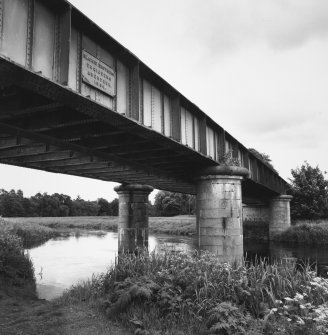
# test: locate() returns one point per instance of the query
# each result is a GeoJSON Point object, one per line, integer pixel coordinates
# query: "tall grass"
{"type": "Point", "coordinates": [179, 225]}
{"type": "Point", "coordinates": [190, 294]}
{"type": "Point", "coordinates": [16, 268]}
{"type": "Point", "coordinates": [30, 233]}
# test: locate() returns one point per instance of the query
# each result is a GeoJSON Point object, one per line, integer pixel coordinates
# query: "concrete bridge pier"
{"type": "Point", "coordinates": [219, 212]}
{"type": "Point", "coordinates": [279, 215]}
{"type": "Point", "coordinates": [133, 217]}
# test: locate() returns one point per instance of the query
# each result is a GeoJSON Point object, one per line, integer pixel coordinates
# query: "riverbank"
{"type": "Point", "coordinates": [22, 313]}
{"type": "Point", "coordinates": [305, 232]}
{"type": "Point", "coordinates": [178, 293]}
{"type": "Point", "coordinates": [39, 229]}
{"type": "Point", "coordinates": [42, 228]}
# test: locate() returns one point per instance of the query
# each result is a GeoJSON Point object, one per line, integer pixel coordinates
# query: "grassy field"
{"type": "Point", "coordinates": [62, 223]}
{"type": "Point", "coordinates": [34, 226]}
{"type": "Point", "coordinates": [178, 225]}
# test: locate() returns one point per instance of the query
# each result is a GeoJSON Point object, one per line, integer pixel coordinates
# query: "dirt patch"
{"type": "Point", "coordinates": [22, 315]}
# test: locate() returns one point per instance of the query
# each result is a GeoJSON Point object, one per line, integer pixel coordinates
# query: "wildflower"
{"type": "Point", "coordinates": [299, 296]}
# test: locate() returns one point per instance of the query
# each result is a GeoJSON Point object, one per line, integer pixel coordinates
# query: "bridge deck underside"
{"type": "Point", "coordinates": [46, 126]}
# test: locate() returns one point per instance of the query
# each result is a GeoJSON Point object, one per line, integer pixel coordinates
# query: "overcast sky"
{"type": "Point", "coordinates": [259, 68]}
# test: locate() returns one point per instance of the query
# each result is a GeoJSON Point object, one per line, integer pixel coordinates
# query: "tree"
{"type": "Point", "coordinates": [309, 189]}
{"type": "Point", "coordinates": [11, 203]}
{"type": "Point", "coordinates": [170, 204]}
{"type": "Point", "coordinates": [104, 207]}
{"type": "Point", "coordinates": [113, 205]}
{"type": "Point", "coordinates": [82, 207]}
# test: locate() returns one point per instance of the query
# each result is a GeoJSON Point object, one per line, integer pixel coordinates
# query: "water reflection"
{"type": "Point", "coordinates": [62, 262]}
{"type": "Point", "coordinates": [65, 261]}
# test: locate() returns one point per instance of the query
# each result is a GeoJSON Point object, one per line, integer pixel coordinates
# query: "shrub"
{"type": "Point", "coordinates": [305, 233]}
{"type": "Point", "coordinates": [16, 267]}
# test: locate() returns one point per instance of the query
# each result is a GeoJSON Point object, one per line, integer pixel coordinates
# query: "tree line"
{"type": "Point", "coordinates": [14, 204]}
{"type": "Point", "coordinates": [308, 187]}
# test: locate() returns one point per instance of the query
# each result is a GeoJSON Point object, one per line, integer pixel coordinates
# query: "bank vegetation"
{"type": "Point", "coordinates": [177, 293]}
{"type": "Point", "coordinates": [305, 232]}
{"type": "Point", "coordinates": [174, 293]}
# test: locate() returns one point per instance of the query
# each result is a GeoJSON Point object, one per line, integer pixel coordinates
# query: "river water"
{"type": "Point", "coordinates": [62, 262]}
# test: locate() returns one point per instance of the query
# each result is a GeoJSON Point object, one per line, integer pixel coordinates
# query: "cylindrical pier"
{"type": "Point", "coordinates": [279, 215]}
{"type": "Point", "coordinates": [219, 212]}
{"type": "Point", "coordinates": [133, 217]}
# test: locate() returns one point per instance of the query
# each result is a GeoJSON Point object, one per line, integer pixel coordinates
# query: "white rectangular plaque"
{"type": "Point", "coordinates": [98, 74]}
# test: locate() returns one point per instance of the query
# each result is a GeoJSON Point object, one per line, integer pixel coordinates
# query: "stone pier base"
{"type": "Point", "coordinates": [219, 212]}
{"type": "Point", "coordinates": [279, 215]}
{"type": "Point", "coordinates": [133, 217]}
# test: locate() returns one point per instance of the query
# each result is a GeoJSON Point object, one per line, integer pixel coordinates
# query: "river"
{"type": "Point", "coordinates": [62, 262]}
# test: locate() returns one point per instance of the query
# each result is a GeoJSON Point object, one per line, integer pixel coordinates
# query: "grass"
{"type": "Point", "coordinates": [108, 223]}
{"type": "Point", "coordinates": [306, 232]}
{"type": "Point", "coordinates": [177, 293]}
{"type": "Point", "coordinates": [30, 233]}
{"type": "Point", "coordinates": [179, 225]}
{"type": "Point", "coordinates": [40, 229]}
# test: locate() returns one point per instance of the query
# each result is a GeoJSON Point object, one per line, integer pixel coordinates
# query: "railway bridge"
{"type": "Point", "coordinates": [73, 100]}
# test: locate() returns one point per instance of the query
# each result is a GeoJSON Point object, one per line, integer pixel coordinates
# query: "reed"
{"type": "Point", "coordinates": [191, 294]}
